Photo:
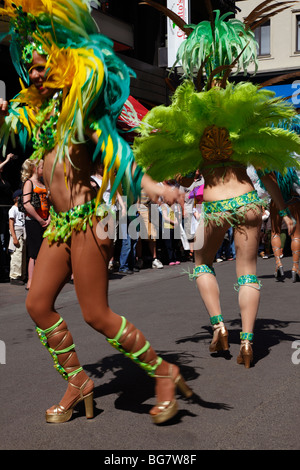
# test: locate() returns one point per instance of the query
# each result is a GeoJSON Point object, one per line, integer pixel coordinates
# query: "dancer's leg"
{"type": "Point", "coordinates": [52, 270]}
{"type": "Point", "coordinates": [246, 239]}
{"type": "Point", "coordinates": [295, 241]}
{"type": "Point", "coordinates": [246, 243]}
{"type": "Point", "coordinates": [206, 282]}
{"type": "Point", "coordinates": [276, 242]}
{"type": "Point", "coordinates": [90, 257]}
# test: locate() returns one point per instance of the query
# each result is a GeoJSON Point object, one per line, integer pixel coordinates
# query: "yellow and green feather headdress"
{"type": "Point", "coordinates": [82, 64]}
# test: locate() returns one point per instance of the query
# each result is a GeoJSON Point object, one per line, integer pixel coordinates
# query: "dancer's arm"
{"type": "Point", "coordinates": [153, 190]}
{"type": "Point", "coordinates": [271, 185]}
{"type": "Point", "coordinates": [156, 191]}
{"type": "Point", "coordinates": [8, 158]}
{"type": "Point", "coordinates": [3, 110]}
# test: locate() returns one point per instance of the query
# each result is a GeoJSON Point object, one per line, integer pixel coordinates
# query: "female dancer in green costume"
{"type": "Point", "coordinates": [222, 129]}
{"type": "Point", "coordinates": [78, 88]}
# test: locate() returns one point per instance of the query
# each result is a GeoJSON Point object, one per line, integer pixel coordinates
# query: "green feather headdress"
{"type": "Point", "coordinates": [170, 135]}
{"type": "Point", "coordinates": [221, 45]}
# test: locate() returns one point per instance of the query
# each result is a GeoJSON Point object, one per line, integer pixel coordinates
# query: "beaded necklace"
{"type": "Point", "coordinates": [44, 133]}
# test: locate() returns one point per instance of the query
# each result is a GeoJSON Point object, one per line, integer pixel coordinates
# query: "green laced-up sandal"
{"type": "Point", "coordinates": [60, 413]}
{"type": "Point", "coordinates": [131, 336]}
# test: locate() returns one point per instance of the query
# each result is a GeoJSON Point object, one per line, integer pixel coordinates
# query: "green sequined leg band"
{"type": "Point", "coordinates": [216, 319]}
{"type": "Point", "coordinates": [134, 355]}
{"type": "Point", "coordinates": [44, 335]}
{"type": "Point", "coordinates": [247, 280]}
{"type": "Point", "coordinates": [200, 270]}
{"type": "Point", "coordinates": [246, 336]}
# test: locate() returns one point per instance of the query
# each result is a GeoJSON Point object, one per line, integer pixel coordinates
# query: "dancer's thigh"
{"type": "Point", "coordinates": [246, 240]}
{"type": "Point", "coordinates": [276, 220]}
{"type": "Point", "coordinates": [295, 211]}
{"type": "Point", "coordinates": [52, 270]}
{"type": "Point", "coordinates": [90, 256]}
{"type": "Point", "coordinates": [211, 237]}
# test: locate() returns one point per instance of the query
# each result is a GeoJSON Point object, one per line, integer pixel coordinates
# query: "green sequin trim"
{"type": "Point", "coordinates": [232, 210]}
{"type": "Point", "coordinates": [78, 218]}
{"type": "Point", "coordinates": [201, 269]}
{"type": "Point", "coordinates": [248, 279]}
{"type": "Point", "coordinates": [216, 319]}
{"type": "Point", "coordinates": [150, 369]}
{"type": "Point", "coordinates": [246, 336]}
{"type": "Point", "coordinates": [284, 212]}
{"type": "Point", "coordinates": [27, 53]}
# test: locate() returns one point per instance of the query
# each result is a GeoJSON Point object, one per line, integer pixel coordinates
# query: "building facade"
{"type": "Point", "coordinates": [278, 49]}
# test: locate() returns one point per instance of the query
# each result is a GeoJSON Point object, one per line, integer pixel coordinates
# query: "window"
{"type": "Point", "coordinates": [262, 36]}
{"type": "Point", "coordinates": [298, 33]}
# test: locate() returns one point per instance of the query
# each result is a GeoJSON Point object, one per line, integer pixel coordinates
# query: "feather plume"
{"type": "Point", "coordinates": [170, 14]}
{"type": "Point", "coordinates": [170, 136]}
{"type": "Point", "coordinates": [264, 11]}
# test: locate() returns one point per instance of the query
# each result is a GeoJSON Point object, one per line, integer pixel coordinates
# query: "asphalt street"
{"type": "Point", "coordinates": [232, 408]}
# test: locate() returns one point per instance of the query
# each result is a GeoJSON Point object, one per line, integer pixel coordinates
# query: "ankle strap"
{"type": "Point", "coordinates": [216, 319]}
{"type": "Point", "coordinates": [246, 336]}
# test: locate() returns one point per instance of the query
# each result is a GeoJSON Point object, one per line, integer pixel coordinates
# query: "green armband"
{"type": "Point", "coordinates": [284, 212]}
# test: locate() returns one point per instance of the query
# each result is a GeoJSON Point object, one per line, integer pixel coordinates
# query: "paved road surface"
{"type": "Point", "coordinates": [232, 407]}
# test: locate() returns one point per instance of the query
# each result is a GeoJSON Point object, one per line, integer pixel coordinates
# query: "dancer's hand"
{"type": "Point", "coordinates": [3, 108]}
{"type": "Point", "coordinates": [157, 192]}
{"type": "Point", "coordinates": [170, 195]}
{"type": "Point", "coordinates": [290, 223]}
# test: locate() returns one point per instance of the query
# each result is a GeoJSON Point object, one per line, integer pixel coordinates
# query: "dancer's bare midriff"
{"type": "Point", "coordinates": [225, 183]}
{"type": "Point", "coordinates": [69, 186]}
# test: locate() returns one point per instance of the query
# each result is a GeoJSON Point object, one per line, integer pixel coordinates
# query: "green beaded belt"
{"type": "Point", "coordinates": [232, 209]}
{"type": "Point", "coordinates": [78, 218]}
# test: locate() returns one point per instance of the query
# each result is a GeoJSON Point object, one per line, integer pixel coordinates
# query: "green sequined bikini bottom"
{"type": "Point", "coordinates": [232, 210]}
{"type": "Point", "coordinates": [78, 218]}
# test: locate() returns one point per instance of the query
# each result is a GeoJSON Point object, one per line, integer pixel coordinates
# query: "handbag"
{"type": "Point", "coordinates": [35, 200]}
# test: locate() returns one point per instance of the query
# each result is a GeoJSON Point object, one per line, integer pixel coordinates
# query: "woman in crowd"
{"type": "Point", "coordinates": [37, 216]}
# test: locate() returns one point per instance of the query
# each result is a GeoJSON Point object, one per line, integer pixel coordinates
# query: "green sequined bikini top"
{"type": "Point", "coordinates": [44, 133]}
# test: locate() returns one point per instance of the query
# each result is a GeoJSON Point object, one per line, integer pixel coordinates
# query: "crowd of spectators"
{"type": "Point", "coordinates": [162, 235]}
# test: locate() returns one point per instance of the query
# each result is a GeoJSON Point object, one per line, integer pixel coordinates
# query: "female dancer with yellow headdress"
{"type": "Point", "coordinates": [78, 87]}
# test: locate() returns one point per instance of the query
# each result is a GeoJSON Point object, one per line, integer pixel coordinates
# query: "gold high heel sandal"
{"type": "Point", "coordinates": [61, 415]}
{"type": "Point", "coordinates": [168, 409]}
{"type": "Point", "coordinates": [246, 354]}
{"type": "Point", "coordinates": [220, 340]}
